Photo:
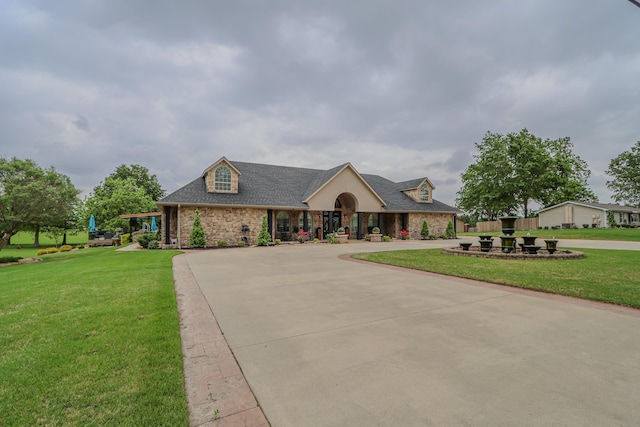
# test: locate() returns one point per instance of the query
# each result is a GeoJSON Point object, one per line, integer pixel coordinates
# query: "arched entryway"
{"type": "Point", "coordinates": [345, 214]}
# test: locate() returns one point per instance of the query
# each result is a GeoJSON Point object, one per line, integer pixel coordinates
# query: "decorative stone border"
{"type": "Point", "coordinates": [474, 251]}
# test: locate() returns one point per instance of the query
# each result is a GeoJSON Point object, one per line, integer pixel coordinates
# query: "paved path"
{"type": "Point", "coordinates": [327, 342]}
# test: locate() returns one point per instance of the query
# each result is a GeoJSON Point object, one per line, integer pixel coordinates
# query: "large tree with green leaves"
{"type": "Point", "coordinates": [141, 177]}
{"type": "Point", "coordinates": [625, 170]}
{"type": "Point", "coordinates": [114, 197]}
{"type": "Point", "coordinates": [511, 171]}
{"type": "Point", "coordinates": [31, 197]}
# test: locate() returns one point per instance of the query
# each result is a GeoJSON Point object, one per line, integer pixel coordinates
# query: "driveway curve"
{"type": "Point", "coordinates": [326, 342]}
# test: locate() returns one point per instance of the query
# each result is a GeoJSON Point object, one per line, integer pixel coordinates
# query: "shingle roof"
{"type": "Point", "coordinates": [285, 186]}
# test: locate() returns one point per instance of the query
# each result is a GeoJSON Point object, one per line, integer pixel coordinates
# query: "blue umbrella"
{"type": "Point", "coordinates": [92, 224]}
{"type": "Point", "coordinates": [154, 227]}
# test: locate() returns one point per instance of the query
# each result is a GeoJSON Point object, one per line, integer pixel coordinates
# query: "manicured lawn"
{"type": "Point", "coordinates": [603, 275]}
{"type": "Point", "coordinates": [26, 238]}
{"type": "Point", "coordinates": [91, 338]}
{"type": "Point", "coordinates": [624, 234]}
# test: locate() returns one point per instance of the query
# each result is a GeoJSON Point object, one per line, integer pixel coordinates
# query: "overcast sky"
{"type": "Point", "coordinates": [403, 89]}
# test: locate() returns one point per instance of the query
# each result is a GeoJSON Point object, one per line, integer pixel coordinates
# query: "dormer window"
{"type": "Point", "coordinates": [424, 193]}
{"type": "Point", "coordinates": [222, 180]}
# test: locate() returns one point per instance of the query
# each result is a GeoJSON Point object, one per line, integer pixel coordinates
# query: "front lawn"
{"type": "Point", "coordinates": [624, 234]}
{"type": "Point", "coordinates": [91, 338]}
{"type": "Point", "coordinates": [602, 275]}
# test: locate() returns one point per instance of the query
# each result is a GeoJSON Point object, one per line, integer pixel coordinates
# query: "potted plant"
{"type": "Point", "coordinates": [375, 235]}
{"type": "Point", "coordinates": [342, 236]}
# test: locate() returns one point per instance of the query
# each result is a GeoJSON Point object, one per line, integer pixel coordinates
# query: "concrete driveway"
{"type": "Point", "coordinates": [328, 342]}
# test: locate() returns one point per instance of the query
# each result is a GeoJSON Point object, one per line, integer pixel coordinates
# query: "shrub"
{"type": "Point", "coordinates": [332, 238]}
{"type": "Point", "coordinates": [153, 244]}
{"type": "Point", "coordinates": [443, 236]}
{"type": "Point", "coordinates": [425, 230]}
{"type": "Point", "coordinates": [450, 232]}
{"type": "Point", "coordinates": [146, 238]}
{"type": "Point", "coordinates": [197, 238]}
{"type": "Point", "coordinates": [316, 240]}
{"type": "Point", "coordinates": [375, 230]}
{"type": "Point", "coordinates": [404, 234]}
{"type": "Point", "coordinates": [585, 225]}
{"type": "Point", "coordinates": [125, 239]}
{"type": "Point", "coordinates": [240, 243]}
{"type": "Point", "coordinates": [222, 243]}
{"type": "Point", "coordinates": [278, 241]}
{"type": "Point", "coordinates": [65, 248]}
{"type": "Point", "coordinates": [386, 238]}
{"type": "Point", "coordinates": [46, 251]}
{"type": "Point", "coordinates": [341, 230]}
{"type": "Point", "coordinates": [264, 238]}
{"type": "Point", "coordinates": [6, 259]}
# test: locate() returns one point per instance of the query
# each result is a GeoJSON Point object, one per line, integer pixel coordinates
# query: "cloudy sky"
{"type": "Point", "coordinates": [400, 88]}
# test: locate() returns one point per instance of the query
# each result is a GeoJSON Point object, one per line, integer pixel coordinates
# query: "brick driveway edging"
{"type": "Point", "coordinates": [217, 393]}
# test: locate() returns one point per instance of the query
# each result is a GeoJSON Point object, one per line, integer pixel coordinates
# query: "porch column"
{"type": "Point", "coordinates": [380, 222]}
{"type": "Point", "coordinates": [405, 220]}
{"type": "Point", "coordinates": [359, 234]}
{"type": "Point", "coordinates": [270, 222]}
{"type": "Point", "coordinates": [330, 222]}
{"type": "Point", "coordinates": [305, 221]}
{"type": "Point", "coordinates": [167, 225]}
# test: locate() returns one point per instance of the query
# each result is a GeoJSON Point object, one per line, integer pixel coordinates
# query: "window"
{"type": "Point", "coordinates": [309, 222]}
{"type": "Point", "coordinates": [283, 222]}
{"type": "Point", "coordinates": [222, 179]}
{"type": "Point", "coordinates": [354, 223]}
{"type": "Point", "coordinates": [424, 193]}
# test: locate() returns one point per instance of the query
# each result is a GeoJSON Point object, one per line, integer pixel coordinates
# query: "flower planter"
{"type": "Point", "coordinates": [465, 246]}
{"type": "Point", "coordinates": [375, 237]}
{"type": "Point", "coordinates": [343, 238]}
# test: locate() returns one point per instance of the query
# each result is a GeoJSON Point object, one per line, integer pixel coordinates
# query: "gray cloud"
{"type": "Point", "coordinates": [403, 89]}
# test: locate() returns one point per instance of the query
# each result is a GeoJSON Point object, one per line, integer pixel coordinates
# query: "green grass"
{"type": "Point", "coordinates": [91, 338]}
{"type": "Point", "coordinates": [624, 234]}
{"type": "Point", "coordinates": [603, 275]}
{"type": "Point", "coordinates": [26, 238]}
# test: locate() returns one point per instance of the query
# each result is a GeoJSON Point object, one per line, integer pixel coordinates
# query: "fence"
{"type": "Point", "coordinates": [521, 224]}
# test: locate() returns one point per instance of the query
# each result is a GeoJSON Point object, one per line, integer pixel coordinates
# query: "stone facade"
{"type": "Point", "coordinates": [437, 223]}
{"type": "Point", "coordinates": [415, 194]}
{"type": "Point", "coordinates": [221, 224]}
{"type": "Point", "coordinates": [210, 179]}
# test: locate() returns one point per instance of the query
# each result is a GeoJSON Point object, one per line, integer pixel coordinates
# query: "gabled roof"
{"type": "Point", "coordinates": [222, 159]}
{"type": "Point", "coordinates": [288, 187]}
{"type": "Point", "coordinates": [602, 206]}
{"type": "Point", "coordinates": [325, 178]}
{"type": "Point", "coordinates": [415, 183]}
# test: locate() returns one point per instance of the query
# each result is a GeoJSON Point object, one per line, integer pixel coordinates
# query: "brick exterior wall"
{"type": "Point", "coordinates": [437, 223]}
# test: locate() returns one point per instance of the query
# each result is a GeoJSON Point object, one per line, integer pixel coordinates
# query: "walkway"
{"type": "Point", "coordinates": [327, 342]}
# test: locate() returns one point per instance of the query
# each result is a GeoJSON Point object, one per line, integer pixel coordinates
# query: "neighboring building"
{"type": "Point", "coordinates": [232, 197]}
{"type": "Point", "coordinates": [577, 214]}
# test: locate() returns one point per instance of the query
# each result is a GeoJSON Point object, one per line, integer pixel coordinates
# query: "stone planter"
{"type": "Point", "coordinates": [375, 237]}
{"type": "Point", "coordinates": [343, 238]}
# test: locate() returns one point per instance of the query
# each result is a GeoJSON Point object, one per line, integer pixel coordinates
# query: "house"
{"type": "Point", "coordinates": [572, 213]}
{"type": "Point", "coordinates": [232, 198]}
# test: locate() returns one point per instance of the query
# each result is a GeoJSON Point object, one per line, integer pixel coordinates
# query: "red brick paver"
{"type": "Point", "coordinates": [217, 393]}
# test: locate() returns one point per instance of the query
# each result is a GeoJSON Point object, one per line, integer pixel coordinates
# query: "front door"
{"type": "Point", "coordinates": [335, 218]}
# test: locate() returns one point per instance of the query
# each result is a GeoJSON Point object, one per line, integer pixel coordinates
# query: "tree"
{"type": "Point", "coordinates": [197, 239]}
{"type": "Point", "coordinates": [31, 197]}
{"type": "Point", "coordinates": [513, 170]}
{"type": "Point", "coordinates": [140, 175]}
{"type": "Point", "coordinates": [425, 230]}
{"type": "Point", "coordinates": [625, 170]}
{"type": "Point", "coordinates": [264, 238]}
{"type": "Point", "coordinates": [114, 197]}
